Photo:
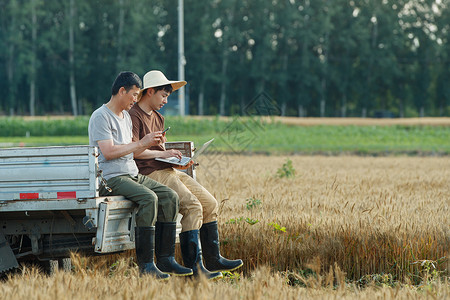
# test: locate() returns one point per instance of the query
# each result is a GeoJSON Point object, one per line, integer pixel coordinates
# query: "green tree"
{"type": "Point", "coordinates": [442, 98]}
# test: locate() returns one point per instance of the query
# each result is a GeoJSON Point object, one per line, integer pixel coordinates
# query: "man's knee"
{"type": "Point", "coordinates": [191, 207]}
{"type": "Point", "coordinates": [210, 211]}
{"type": "Point", "coordinates": [170, 199]}
{"type": "Point", "coordinates": [145, 197]}
{"type": "Point", "coordinates": [211, 206]}
{"type": "Point", "coordinates": [173, 196]}
{"type": "Point", "coordinates": [174, 201]}
{"type": "Point", "coordinates": [168, 206]}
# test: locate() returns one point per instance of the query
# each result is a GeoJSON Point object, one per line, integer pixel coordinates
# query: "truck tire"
{"type": "Point", "coordinates": [65, 264]}
{"type": "Point", "coordinates": [50, 266]}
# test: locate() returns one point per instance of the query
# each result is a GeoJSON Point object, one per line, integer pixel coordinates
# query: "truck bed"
{"type": "Point", "coordinates": [49, 205]}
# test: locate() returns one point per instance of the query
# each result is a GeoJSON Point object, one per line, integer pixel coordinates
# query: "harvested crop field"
{"type": "Point", "coordinates": [364, 121]}
{"type": "Point", "coordinates": [443, 121]}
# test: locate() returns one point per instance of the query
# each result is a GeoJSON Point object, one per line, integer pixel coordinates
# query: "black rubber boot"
{"type": "Point", "coordinates": [209, 236]}
{"type": "Point", "coordinates": [192, 254]}
{"type": "Point", "coordinates": [165, 250]}
{"type": "Point", "coordinates": [145, 249]}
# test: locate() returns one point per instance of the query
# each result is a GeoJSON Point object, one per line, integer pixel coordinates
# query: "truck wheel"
{"type": "Point", "coordinates": [65, 264]}
{"type": "Point", "coordinates": [50, 266]}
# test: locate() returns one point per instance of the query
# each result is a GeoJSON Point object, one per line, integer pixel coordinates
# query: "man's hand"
{"type": "Point", "coordinates": [171, 153]}
{"type": "Point", "coordinates": [152, 139]}
{"type": "Point", "coordinates": [184, 167]}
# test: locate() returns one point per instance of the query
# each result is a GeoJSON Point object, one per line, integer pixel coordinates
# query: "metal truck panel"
{"type": "Point", "coordinates": [68, 172]}
{"type": "Point", "coordinates": [49, 199]}
{"type": "Point", "coordinates": [50, 204]}
{"type": "Point", "coordinates": [116, 222]}
{"type": "Point", "coordinates": [54, 227]}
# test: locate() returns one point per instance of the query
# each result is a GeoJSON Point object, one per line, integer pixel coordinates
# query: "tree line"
{"type": "Point", "coordinates": [324, 58]}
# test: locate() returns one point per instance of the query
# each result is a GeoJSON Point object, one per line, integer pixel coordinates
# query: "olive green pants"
{"type": "Point", "coordinates": [156, 201]}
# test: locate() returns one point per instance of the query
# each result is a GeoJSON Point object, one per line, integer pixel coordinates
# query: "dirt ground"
{"type": "Point", "coordinates": [351, 121]}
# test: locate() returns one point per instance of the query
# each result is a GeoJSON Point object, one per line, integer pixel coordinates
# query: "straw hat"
{"type": "Point", "coordinates": [156, 78]}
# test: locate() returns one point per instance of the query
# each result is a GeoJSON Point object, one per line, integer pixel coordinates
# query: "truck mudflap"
{"type": "Point", "coordinates": [7, 259]}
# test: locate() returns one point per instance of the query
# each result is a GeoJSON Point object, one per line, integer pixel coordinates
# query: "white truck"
{"type": "Point", "coordinates": [50, 205]}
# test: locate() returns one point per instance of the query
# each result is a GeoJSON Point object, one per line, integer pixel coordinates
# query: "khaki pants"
{"type": "Point", "coordinates": [156, 201]}
{"type": "Point", "coordinates": [197, 205]}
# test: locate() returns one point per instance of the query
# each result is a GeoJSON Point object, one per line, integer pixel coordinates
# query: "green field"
{"type": "Point", "coordinates": [244, 135]}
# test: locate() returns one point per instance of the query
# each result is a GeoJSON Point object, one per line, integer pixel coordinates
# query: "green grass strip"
{"type": "Point", "coordinates": [242, 135]}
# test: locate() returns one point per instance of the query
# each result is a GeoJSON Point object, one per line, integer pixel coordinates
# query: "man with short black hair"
{"type": "Point", "coordinates": [199, 234]}
{"type": "Point", "coordinates": [110, 129]}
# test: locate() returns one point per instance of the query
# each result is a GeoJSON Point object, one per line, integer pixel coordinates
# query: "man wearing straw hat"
{"type": "Point", "coordinates": [110, 129]}
{"type": "Point", "coordinates": [199, 234]}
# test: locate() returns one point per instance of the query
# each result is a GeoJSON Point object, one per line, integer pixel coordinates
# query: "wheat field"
{"type": "Point", "coordinates": [367, 214]}
{"type": "Point", "coordinates": [344, 227]}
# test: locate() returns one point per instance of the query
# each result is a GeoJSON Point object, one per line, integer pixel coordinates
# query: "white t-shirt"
{"type": "Point", "coordinates": [106, 125]}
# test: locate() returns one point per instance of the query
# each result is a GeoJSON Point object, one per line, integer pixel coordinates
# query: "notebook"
{"type": "Point", "coordinates": [184, 159]}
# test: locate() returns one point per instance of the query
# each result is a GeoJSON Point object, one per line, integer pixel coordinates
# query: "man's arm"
{"type": "Point", "coordinates": [149, 154]}
{"type": "Point", "coordinates": [111, 151]}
